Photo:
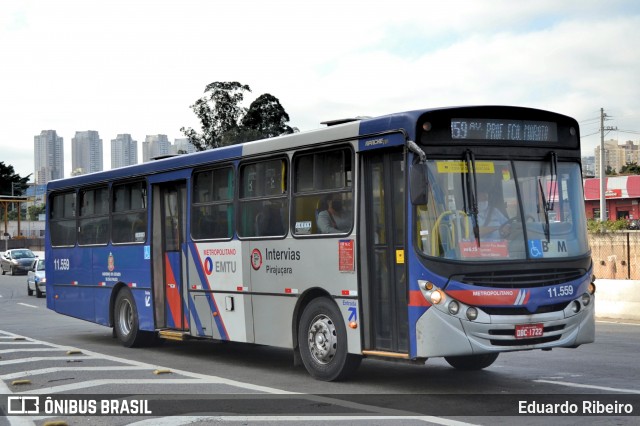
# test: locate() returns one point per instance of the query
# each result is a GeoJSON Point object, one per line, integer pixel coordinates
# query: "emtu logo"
{"type": "Point", "coordinates": [208, 266]}
{"type": "Point", "coordinates": [256, 259]}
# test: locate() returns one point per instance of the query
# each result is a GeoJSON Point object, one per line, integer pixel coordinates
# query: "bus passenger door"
{"type": "Point", "coordinates": [169, 212]}
{"type": "Point", "coordinates": [384, 280]}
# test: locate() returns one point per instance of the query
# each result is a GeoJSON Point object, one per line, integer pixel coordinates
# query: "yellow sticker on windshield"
{"type": "Point", "coordinates": [461, 167]}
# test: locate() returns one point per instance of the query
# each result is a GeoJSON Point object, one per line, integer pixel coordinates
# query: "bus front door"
{"type": "Point", "coordinates": [168, 240]}
{"type": "Point", "coordinates": [385, 294]}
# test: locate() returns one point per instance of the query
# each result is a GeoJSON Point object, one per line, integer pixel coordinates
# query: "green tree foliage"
{"type": "Point", "coordinates": [225, 122]}
{"type": "Point", "coordinates": [267, 116]}
{"type": "Point", "coordinates": [594, 226]}
{"type": "Point", "coordinates": [610, 171]}
{"type": "Point", "coordinates": [630, 169]}
{"type": "Point", "coordinates": [11, 183]}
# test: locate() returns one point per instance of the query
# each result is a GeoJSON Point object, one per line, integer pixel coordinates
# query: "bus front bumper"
{"type": "Point", "coordinates": [442, 334]}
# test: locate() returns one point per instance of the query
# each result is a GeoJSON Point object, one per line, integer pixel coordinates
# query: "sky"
{"type": "Point", "coordinates": [136, 66]}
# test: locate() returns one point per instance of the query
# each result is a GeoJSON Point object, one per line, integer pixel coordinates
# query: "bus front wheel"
{"type": "Point", "coordinates": [125, 319]}
{"type": "Point", "coordinates": [322, 338]}
{"type": "Point", "coordinates": [471, 362]}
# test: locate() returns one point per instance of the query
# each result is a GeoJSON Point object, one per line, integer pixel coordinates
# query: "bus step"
{"type": "Point", "coordinates": [173, 335]}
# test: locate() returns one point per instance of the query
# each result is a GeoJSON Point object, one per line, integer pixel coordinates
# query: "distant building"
{"type": "Point", "coordinates": [182, 146]}
{"type": "Point", "coordinates": [622, 197]}
{"type": "Point", "coordinates": [615, 155]}
{"type": "Point", "coordinates": [124, 151]}
{"type": "Point", "coordinates": [155, 146]}
{"type": "Point", "coordinates": [48, 152]}
{"type": "Point", "coordinates": [589, 166]}
{"type": "Point", "coordinates": [86, 152]}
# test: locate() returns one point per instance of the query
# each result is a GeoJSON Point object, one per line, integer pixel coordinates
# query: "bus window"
{"type": "Point", "coordinates": [93, 223]}
{"type": "Point", "coordinates": [212, 208]}
{"type": "Point", "coordinates": [129, 213]}
{"type": "Point", "coordinates": [62, 223]}
{"type": "Point", "coordinates": [264, 207]}
{"type": "Point", "coordinates": [323, 197]}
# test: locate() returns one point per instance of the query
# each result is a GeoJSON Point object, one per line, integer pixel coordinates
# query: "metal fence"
{"type": "Point", "coordinates": [615, 255]}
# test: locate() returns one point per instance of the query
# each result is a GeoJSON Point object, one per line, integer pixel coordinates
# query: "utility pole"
{"type": "Point", "coordinates": [603, 185]}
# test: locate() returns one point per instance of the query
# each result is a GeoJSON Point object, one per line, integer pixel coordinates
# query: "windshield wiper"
{"type": "Point", "coordinates": [472, 192]}
{"type": "Point", "coordinates": [545, 226]}
{"type": "Point", "coordinates": [549, 200]}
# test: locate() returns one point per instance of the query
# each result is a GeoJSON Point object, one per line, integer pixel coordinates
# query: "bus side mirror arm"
{"type": "Point", "coordinates": [418, 184]}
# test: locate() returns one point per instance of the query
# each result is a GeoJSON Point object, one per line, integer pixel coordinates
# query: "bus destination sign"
{"type": "Point", "coordinates": [503, 130]}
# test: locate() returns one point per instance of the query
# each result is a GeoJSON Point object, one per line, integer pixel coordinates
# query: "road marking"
{"type": "Point", "coordinates": [618, 322]}
{"type": "Point", "coordinates": [59, 369]}
{"type": "Point", "coordinates": [28, 305]}
{"type": "Point", "coordinates": [185, 420]}
{"type": "Point", "coordinates": [579, 385]}
{"type": "Point", "coordinates": [45, 358]}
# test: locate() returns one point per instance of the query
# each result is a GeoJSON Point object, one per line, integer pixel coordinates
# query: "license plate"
{"type": "Point", "coordinates": [527, 331]}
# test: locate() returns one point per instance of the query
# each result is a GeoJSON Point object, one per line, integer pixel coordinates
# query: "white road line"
{"type": "Point", "coordinates": [102, 382]}
{"type": "Point", "coordinates": [8, 351]}
{"type": "Point", "coordinates": [26, 304]}
{"type": "Point", "coordinates": [29, 373]}
{"type": "Point", "coordinates": [618, 322]}
{"type": "Point", "coordinates": [45, 358]}
{"type": "Point", "coordinates": [195, 379]}
{"type": "Point", "coordinates": [20, 342]}
{"type": "Point", "coordinates": [579, 385]}
{"type": "Point", "coordinates": [185, 420]}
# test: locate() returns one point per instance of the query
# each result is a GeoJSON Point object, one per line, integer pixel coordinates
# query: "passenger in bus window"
{"type": "Point", "coordinates": [333, 220]}
{"type": "Point", "coordinates": [492, 222]}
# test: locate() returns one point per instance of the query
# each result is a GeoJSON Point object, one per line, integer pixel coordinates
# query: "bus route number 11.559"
{"type": "Point", "coordinates": [61, 264]}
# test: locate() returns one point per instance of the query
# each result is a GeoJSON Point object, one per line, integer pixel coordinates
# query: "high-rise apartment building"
{"type": "Point", "coordinates": [616, 156]}
{"type": "Point", "coordinates": [155, 146]}
{"type": "Point", "coordinates": [48, 152]}
{"type": "Point", "coordinates": [86, 153]}
{"type": "Point", "coordinates": [124, 151]}
{"type": "Point", "coordinates": [182, 146]}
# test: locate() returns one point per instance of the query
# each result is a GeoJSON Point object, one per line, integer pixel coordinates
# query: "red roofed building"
{"type": "Point", "coordinates": [622, 194]}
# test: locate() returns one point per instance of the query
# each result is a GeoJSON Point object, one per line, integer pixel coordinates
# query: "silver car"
{"type": "Point", "coordinates": [16, 261]}
{"type": "Point", "coordinates": [36, 279]}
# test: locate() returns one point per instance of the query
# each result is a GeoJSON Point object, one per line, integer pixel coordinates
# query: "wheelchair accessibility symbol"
{"type": "Point", "coordinates": [535, 248]}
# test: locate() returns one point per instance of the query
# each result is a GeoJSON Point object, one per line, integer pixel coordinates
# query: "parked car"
{"type": "Point", "coordinates": [16, 261]}
{"type": "Point", "coordinates": [36, 279]}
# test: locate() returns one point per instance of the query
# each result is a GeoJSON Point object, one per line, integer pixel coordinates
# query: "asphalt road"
{"type": "Point", "coordinates": [251, 384]}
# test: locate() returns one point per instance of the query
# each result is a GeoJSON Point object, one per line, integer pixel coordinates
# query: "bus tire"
{"type": "Point", "coordinates": [471, 362]}
{"type": "Point", "coordinates": [125, 320]}
{"type": "Point", "coordinates": [322, 339]}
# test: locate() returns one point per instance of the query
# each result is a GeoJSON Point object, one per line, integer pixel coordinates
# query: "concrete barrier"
{"type": "Point", "coordinates": [618, 299]}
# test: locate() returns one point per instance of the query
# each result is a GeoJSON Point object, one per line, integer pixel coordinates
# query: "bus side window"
{"type": "Point", "coordinates": [263, 199]}
{"type": "Point", "coordinates": [322, 176]}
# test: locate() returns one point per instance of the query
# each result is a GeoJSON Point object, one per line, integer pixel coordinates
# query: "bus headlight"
{"type": "Point", "coordinates": [472, 314]}
{"type": "Point", "coordinates": [586, 299]}
{"type": "Point", "coordinates": [436, 297]}
{"type": "Point", "coordinates": [575, 307]}
{"type": "Point", "coordinates": [454, 307]}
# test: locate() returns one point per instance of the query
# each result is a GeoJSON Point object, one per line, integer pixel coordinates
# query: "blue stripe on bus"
{"type": "Point", "coordinates": [205, 284]}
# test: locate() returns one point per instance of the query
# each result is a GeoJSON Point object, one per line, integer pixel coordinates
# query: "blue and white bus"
{"type": "Point", "coordinates": [453, 232]}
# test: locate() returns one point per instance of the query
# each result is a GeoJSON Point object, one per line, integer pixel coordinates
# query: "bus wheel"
{"type": "Point", "coordinates": [471, 362]}
{"type": "Point", "coordinates": [322, 338]}
{"type": "Point", "coordinates": [125, 318]}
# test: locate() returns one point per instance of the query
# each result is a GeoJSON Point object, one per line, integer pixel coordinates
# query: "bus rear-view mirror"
{"type": "Point", "coordinates": [418, 184]}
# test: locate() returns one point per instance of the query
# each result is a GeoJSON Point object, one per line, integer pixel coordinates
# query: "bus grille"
{"type": "Point", "coordinates": [521, 310]}
{"type": "Point", "coordinates": [520, 279]}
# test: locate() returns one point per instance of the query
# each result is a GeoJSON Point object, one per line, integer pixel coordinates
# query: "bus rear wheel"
{"type": "Point", "coordinates": [471, 362]}
{"type": "Point", "coordinates": [125, 320]}
{"type": "Point", "coordinates": [322, 338]}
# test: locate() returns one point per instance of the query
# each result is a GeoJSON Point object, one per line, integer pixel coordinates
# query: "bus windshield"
{"type": "Point", "coordinates": [506, 210]}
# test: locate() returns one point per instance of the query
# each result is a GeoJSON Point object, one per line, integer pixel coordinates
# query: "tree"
{"type": "Point", "coordinates": [267, 116]}
{"type": "Point", "coordinates": [630, 169]}
{"type": "Point", "coordinates": [610, 171]}
{"type": "Point", "coordinates": [219, 112]}
{"type": "Point", "coordinates": [11, 183]}
{"type": "Point", "coordinates": [225, 122]}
